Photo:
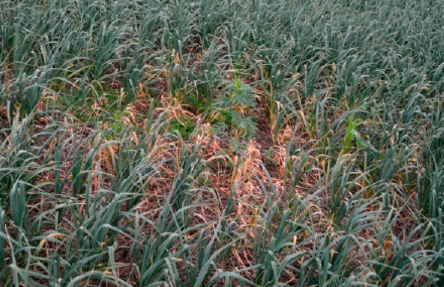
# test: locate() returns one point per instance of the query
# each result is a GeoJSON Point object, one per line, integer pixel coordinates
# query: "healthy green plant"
{"type": "Point", "coordinates": [184, 126]}
{"type": "Point", "coordinates": [233, 110]}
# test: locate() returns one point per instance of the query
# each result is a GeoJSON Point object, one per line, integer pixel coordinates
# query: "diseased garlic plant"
{"type": "Point", "coordinates": [221, 143]}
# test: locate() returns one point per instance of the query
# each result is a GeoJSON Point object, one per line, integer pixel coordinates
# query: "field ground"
{"type": "Point", "coordinates": [221, 143]}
